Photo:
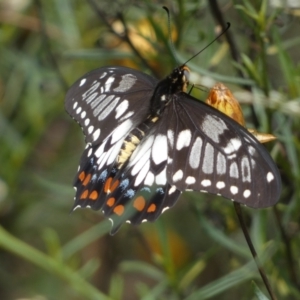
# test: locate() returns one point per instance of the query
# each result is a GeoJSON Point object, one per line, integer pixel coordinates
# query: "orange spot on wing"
{"type": "Point", "coordinates": [87, 179]}
{"type": "Point", "coordinates": [111, 201]}
{"type": "Point", "coordinates": [139, 203]}
{"type": "Point", "coordinates": [84, 194]}
{"type": "Point", "coordinates": [81, 176]}
{"type": "Point", "coordinates": [107, 185]}
{"type": "Point", "coordinates": [94, 195]}
{"type": "Point", "coordinates": [114, 185]}
{"type": "Point", "coordinates": [151, 208]}
{"type": "Point", "coordinates": [119, 210]}
{"type": "Point", "coordinates": [110, 186]}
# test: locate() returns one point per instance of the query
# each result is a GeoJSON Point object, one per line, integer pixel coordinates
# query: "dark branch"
{"type": "Point", "coordinates": [238, 211]}
{"type": "Point", "coordinates": [124, 37]}
{"type": "Point", "coordinates": [47, 45]}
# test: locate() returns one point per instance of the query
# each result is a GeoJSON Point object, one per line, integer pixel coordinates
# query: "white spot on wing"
{"type": "Point", "coordinates": [220, 184]}
{"type": "Point", "coordinates": [221, 164]}
{"type": "Point", "coordinates": [190, 180]}
{"type": "Point", "coordinates": [142, 174]}
{"type": "Point", "coordinates": [100, 103]}
{"type": "Point", "coordinates": [213, 127]}
{"type": "Point", "coordinates": [233, 146]}
{"type": "Point", "coordinates": [91, 98]}
{"type": "Point", "coordinates": [183, 139]}
{"type": "Point", "coordinates": [77, 206]}
{"type": "Point", "coordinates": [161, 178]}
{"type": "Point", "coordinates": [159, 149]}
{"type": "Point", "coordinates": [82, 82]}
{"type": "Point", "coordinates": [128, 80]}
{"type": "Point", "coordinates": [208, 160]}
{"type": "Point", "coordinates": [103, 75]}
{"type": "Point", "coordinates": [141, 151]}
{"type": "Point", "coordinates": [247, 193]}
{"type": "Point", "coordinates": [96, 134]}
{"type": "Point", "coordinates": [194, 159]}
{"type": "Point", "coordinates": [108, 83]}
{"type": "Point", "coordinates": [178, 175]}
{"type": "Point", "coordinates": [170, 160]}
{"type": "Point", "coordinates": [171, 137]}
{"type": "Point", "coordinates": [164, 209]}
{"type": "Point", "coordinates": [206, 182]}
{"type": "Point", "coordinates": [78, 110]}
{"type": "Point", "coordinates": [172, 189]}
{"type": "Point", "coordinates": [234, 189]}
{"type": "Point", "coordinates": [121, 131]}
{"type": "Point", "coordinates": [108, 109]}
{"type": "Point", "coordinates": [96, 101]}
{"type": "Point", "coordinates": [83, 114]}
{"type": "Point", "coordinates": [121, 108]}
{"type": "Point", "coordinates": [110, 156]}
{"type": "Point", "coordinates": [75, 105]}
{"type": "Point", "coordinates": [270, 177]}
{"type": "Point", "coordinates": [86, 122]}
{"type": "Point", "coordinates": [140, 163]}
{"type": "Point", "coordinates": [233, 170]}
{"type": "Point", "coordinates": [90, 129]}
{"type": "Point", "coordinates": [128, 115]}
{"type": "Point", "coordinates": [90, 152]}
{"type": "Point", "coordinates": [246, 171]}
{"type": "Point", "coordinates": [91, 90]}
{"type": "Point", "coordinates": [149, 179]}
{"type": "Point", "coordinates": [251, 150]}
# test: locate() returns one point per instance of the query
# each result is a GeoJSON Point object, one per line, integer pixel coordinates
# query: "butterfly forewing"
{"type": "Point", "coordinates": [213, 153]}
{"type": "Point", "coordinates": [110, 99]}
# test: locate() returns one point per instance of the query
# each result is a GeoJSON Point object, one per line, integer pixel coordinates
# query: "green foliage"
{"type": "Point", "coordinates": [194, 251]}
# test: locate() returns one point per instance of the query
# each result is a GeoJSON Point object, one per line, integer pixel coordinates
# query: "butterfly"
{"type": "Point", "coordinates": [148, 141]}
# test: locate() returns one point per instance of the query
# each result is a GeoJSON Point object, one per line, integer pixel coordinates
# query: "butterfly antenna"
{"type": "Point", "coordinates": [170, 37]}
{"type": "Point", "coordinates": [219, 35]}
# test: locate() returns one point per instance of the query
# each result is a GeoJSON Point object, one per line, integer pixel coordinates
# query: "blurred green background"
{"type": "Point", "coordinates": [197, 249]}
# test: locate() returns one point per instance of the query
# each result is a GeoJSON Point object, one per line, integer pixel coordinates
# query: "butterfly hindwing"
{"type": "Point", "coordinates": [139, 193]}
{"type": "Point", "coordinates": [141, 190]}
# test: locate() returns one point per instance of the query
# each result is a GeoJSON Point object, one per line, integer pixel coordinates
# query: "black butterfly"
{"type": "Point", "coordinates": [147, 141]}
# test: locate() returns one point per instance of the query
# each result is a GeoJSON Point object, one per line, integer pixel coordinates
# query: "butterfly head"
{"type": "Point", "coordinates": [180, 79]}
{"type": "Point", "coordinates": [175, 83]}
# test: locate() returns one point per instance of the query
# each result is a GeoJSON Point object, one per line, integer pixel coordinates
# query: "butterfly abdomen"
{"type": "Point", "coordinates": [133, 139]}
